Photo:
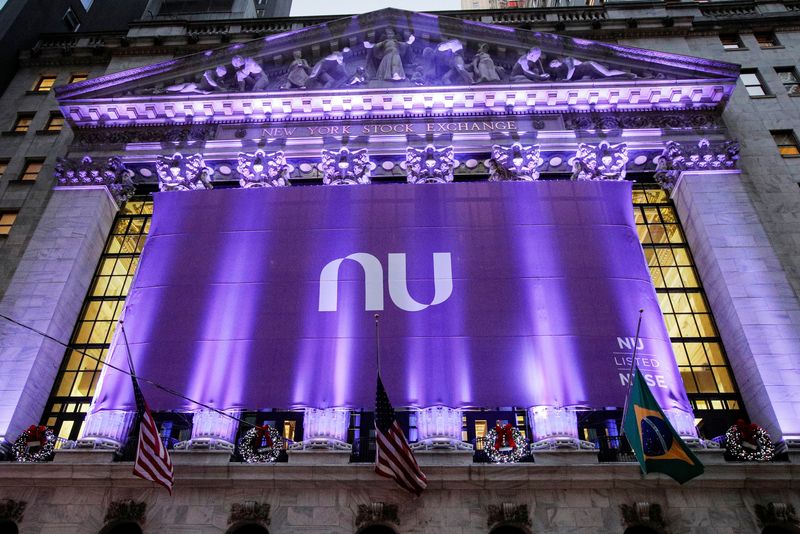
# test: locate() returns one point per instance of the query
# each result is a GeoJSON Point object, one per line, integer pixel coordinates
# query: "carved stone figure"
{"type": "Point", "coordinates": [330, 71]}
{"type": "Point", "coordinates": [210, 81]}
{"type": "Point", "coordinates": [389, 53]}
{"type": "Point", "coordinates": [249, 74]}
{"type": "Point", "coordinates": [529, 67]}
{"type": "Point", "coordinates": [570, 68]}
{"type": "Point", "coordinates": [483, 67]}
{"type": "Point", "coordinates": [452, 54]}
{"type": "Point", "coordinates": [298, 72]}
{"type": "Point", "coordinates": [359, 77]}
{"type": "Point", "coordinates": [113, 174]}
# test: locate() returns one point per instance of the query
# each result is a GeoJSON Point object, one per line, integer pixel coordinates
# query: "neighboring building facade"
{"type": "Point", "coordinates": [605, 93]}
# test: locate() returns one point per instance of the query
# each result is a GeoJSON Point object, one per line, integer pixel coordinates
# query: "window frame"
{"type": "Point", "coordinates": [792, 88]}
{"type": "Point", "coordinates": [794, 144]}
{"type": "Point", "coordinates": [761, 84]}
{"type": "Point", "coordinates": [767, 40]}
{"type": "Point", "coordinates": [9, 226]}
{"type": "Point", "coordinates": [37, 86]}
{"type": "Point", "coordinates": [72, 78]}
{"type": "Point", "coordinates": [48, 126]}
{"type": "Point", "coordinates": [26, 170]}
{"type": "Point", "coordinates": [71, 20]}
{"type": "Point", "coordinates": [17, 128]}
{"type": "Point", "coordinates": [739, 45]}
{"type": "Point", "coordinates": [4, 163]}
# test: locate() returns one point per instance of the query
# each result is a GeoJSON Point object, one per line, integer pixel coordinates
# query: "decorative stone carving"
{"type": "Point", "coordinates": [439, 427]}
{"type": "Point", "coordinates": [298, 72]}
{"type": "Point", "coordinates": [249, 75]}
{"type": "Point", "coordinates": [243, 74]}
{"type": "Point", "coordinates": [123, 136]}
{"type": "Point", "coordinates": [529, 67]}
{"type": "Point", "coordinates": [325, 429]}
{"type": "Point", "coordinates": [345, 167]}
{"type": "Point", "coordinates": [386, 57]}
{"type": "Point", "coordinates": [430, 165]}
{"type": "Point", "coordinates": [249, 511]}
{"type": "Point", "coordinates": [515, 162]}
{"type": "Point", "coordinates": [600, 162]}
{"type": "Point", "coordinates": [451, 54]}
{"type": "Point", "coordinates": [508, 514]}
{"type": "Point", "coordinates": [664, 121]}
{"type": "Point", "coordinates": [330, 71]}
{"type": "Point", "coordinates": [570, 68]}
{"type": "Point", "coordinates": [677, 158]}
{"type": "Point", "coordinates": [12, 510]}
{"type": "Point", "coordinates": [263, 170]}
{"type": "Point", "coordinates": [643, 514]}
{"type": "Point", "coordinates": [112, 173]}
{"type": "Point", "coordinates": [776, 514]}
{"type": "Point", "coordinates": [483, 67]}
{"type": "Point", "coordinates": [179, 173]}
{"type": "Point", "coordinates": [377, 512]}
{"type": "Point", "coordinates": [126, 511]}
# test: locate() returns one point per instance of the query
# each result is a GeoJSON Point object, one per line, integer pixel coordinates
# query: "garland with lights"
{"type": "Point", "coordinates": [260, 444]}
{"type": "Point", "coordinates": [749, 443]}
{"type": "Point", "coordinates": [505, 444]}
{"type": "Point", "coordinates": [36, 444]}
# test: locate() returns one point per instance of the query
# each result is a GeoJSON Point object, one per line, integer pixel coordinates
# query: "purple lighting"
{"type": "Point", "coordinates": [534, 310]}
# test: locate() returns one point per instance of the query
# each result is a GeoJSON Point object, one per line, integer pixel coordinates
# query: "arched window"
{"type": "Point", "coordinates": [507, 529]}
{"type": "Point", "coordinates": [124, 527]}
{"type": "Point", "coordinates": [377, 529]}
{"type": "Point", "coordinates": [8, 526]}
{"type": "Point", "coordinates": [248, 528]}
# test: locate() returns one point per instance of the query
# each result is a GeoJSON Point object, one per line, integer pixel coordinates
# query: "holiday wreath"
{"type": "Point", "coordinates": [505, 444]}
{"type": "Point", "coordinates": [36, 444]}
{"type": "Point", "coordinates": [749, 443]}
{"type": "Point", "coordinates": [260, 444]}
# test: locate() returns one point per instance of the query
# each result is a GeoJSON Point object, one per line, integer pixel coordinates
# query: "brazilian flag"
{"type": "Point", "coordinates": [653, 440]}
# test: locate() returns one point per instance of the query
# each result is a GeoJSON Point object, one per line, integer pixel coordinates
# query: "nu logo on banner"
{"type": "Point", "coordinates": [373, 282]}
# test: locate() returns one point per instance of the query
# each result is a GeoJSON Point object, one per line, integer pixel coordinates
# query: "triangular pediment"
{"type": "Point", "coordinates": [392, 50]}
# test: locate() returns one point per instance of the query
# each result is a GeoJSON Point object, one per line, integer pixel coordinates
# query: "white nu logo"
{"type": "Point", "coordinates": [373, 282]}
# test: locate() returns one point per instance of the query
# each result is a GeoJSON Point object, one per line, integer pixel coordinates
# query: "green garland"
{"type": "Point", "coordinates": [251, 450]}
{"type": "Point", "coordinates": [764, 449]}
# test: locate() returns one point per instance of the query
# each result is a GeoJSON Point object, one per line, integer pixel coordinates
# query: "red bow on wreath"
{"type": "Point", "coordinates": [36, 435]}
{"type": "Point", "coordinates": [262, 432]}
{"type": "Point", "coordinates": [504, 435]}
{"type": "Point", "coordinates": [748, 432]}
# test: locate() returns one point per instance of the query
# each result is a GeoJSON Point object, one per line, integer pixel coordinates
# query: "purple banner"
{"type": "Point", "coordinates": [490, 294]}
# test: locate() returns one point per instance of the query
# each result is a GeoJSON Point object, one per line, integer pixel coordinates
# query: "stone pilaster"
{"type": "Point", "coordinates": [757, 312]}
{"type": "Point", "coordinates": [46, 293]}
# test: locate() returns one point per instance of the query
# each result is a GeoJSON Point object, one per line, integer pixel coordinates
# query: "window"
{"type": "Point", "coordinates": [753, 83]}
{"type": "Point", "coordinates": [71, 20]}
{"type": "Point", "coordinates": [55, 123]}
{"type": "Point", "coordinates": [23, 122]}
{"type": "Point", "coordinates": [789, 79]}
{"type": "Point", "coordinates": [7, 219]}
{"type": "Point", "coordinates": [87, 4]}
{"type": "Point", "coordinates": [787, 142]}
{"type": "Point", "coordinates": [731, 42]}
{"type": "Point", "coordinates": [75, 78]}
{"type": "Point", "coordinates": [44, 84]}
{"type": "Point", "coordinates": [3, 167]}
{"type": "Point", "coordinates": [766, 39]}
{"type": "Point", "coordinates": [32, 169]}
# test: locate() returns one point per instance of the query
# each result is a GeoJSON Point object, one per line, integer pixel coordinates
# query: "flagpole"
{"type": "Point", "coordinates": [378, 342]}
{"type": "Point", "coordinates": [630, 371]}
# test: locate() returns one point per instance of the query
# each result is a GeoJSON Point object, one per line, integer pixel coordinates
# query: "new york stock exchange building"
{"type": "Point", "coordinates": [257, 216]}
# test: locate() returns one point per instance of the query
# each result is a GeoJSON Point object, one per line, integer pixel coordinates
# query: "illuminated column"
{"type": "Point", "coordinates": [683, 423]}
{"type": "Point", "coordinates": [439, 427]}
{"type": "Point", "coordinates": [107, 429]}
{"type": "Point", "coordinates": [325, 429]}
{"type": "Point", "coordinates": [212, 431]}
{"type": "Point", "coordinates": [554, 427]}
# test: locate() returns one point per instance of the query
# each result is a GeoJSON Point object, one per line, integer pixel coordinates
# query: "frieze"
{"type": "Point", "coordinates": [625, 121]}
{"type": "Point", "coordinates": [150, 134]}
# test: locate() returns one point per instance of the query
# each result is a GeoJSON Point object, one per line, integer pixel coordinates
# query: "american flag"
{"type": "Point", "coordinates": [152, 460]}
{"type": "Point", "coordinates": [393, 457]}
